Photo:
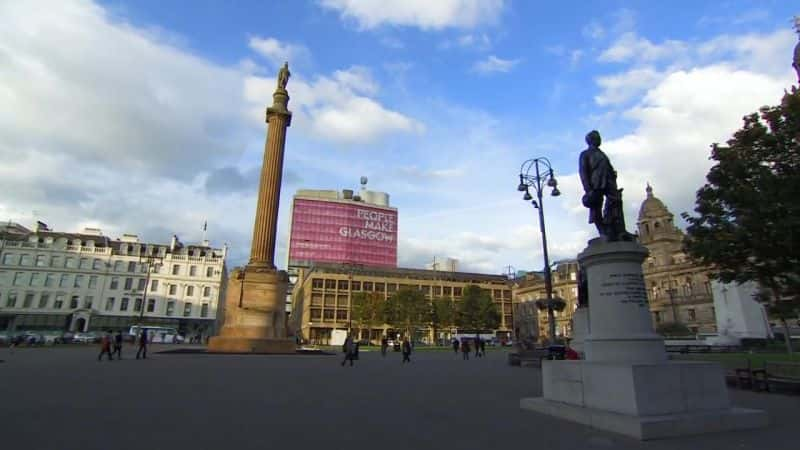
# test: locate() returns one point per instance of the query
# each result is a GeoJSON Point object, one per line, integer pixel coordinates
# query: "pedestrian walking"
{"type": "Point", "coordinates": [465, 349]}
{"type": "Point", "coordinates": [406, 351]}
{"type": "Point", "coordinates": [483, 347]}
{"type": "Point", "coordinates": [477, 346]}
{"type": "Point", "coordinates": [384, 346]}
{"type": "Point", "coordinates": [118, 344]}
{"type": "Point", "coordinates": [349, 351]}
{"type": "Point", "coordinates": [455, 346]}
{"type": "Point", "coordinates": [105, 346]}
{"type": "Point", "coordinates": [142, 345]}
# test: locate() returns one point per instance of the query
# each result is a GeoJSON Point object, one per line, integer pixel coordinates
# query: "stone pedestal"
{"type": "Point", "coordinates": [626, 384]}
{"type": "Point", "coordinates": [254, 314]}
{"type": "Point", "coordinates": [580, 329]}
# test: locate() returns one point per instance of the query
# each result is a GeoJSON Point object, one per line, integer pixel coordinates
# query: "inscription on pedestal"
{"type": "Point", "coordinates": [627, 288]}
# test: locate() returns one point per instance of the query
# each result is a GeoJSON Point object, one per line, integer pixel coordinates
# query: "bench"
{"type": "Point", "coordinates": [777, 374]}
{"type": "Point", "coordinates": [738, 372]}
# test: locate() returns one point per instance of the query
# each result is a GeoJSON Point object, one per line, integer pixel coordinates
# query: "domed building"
{"type": "Point", "coordinates": [678, 289]}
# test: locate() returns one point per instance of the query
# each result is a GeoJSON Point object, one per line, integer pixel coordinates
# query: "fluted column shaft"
{"type": "Point", "coordinates": [265, 229]}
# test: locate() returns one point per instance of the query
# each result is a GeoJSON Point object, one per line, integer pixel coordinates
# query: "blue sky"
{"type": "Point", "coordinates": [147, 116]}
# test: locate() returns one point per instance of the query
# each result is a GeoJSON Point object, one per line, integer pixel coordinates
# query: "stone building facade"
{"type": "Point", "coordinates": [531, 288]}
{"type": "Point", "coordinates": [87, 281]}
{"type": "Point", "coordinates": [679, 290]}
{"type": "Point", "coordinates": [322, 296]}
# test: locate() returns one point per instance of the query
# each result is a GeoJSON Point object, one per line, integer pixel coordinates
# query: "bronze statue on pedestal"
{"type": "Point", "coordinates": [602, 196]}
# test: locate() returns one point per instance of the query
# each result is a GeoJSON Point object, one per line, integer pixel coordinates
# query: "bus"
{"type": "Point", "coordinates": [156, 334]}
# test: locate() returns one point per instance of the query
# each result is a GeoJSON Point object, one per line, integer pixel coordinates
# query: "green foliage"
{"type": "Point", "coordinates": [367, 309]}
{"type": "Point", "coordinates": [673, 329]}
{"type": "Point", "coordinates": [748, 212]}
{"type": "Point", "coordinates": [407, 309]}
{"type": "Point", "coordinates": [477, 311]}
{"type": "Point", "coordinates": [443, 313]}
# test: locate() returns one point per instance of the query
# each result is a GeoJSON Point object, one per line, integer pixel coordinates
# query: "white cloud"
{"type": "Point", "coordinates": [493, 64]}
{"type": "Point", "coordinates": [106, 124]}
{"type": "Point", "coordinates": [697, 98]}
{"type": "Point", "coordinates": [92, 82]}
{"type": "Point", "coordinates": [622, 87]}
{"type": "Point", "coordinates": [593, 30]}
{"type": "Point", "coordinates": [423, 14]}
{"type": "Point", "coordinates": [277, 52]}
{"type": "Point", "coordinates": [677, 120]}
{"type": "Point", "coordinates": [474, 41]}
{"type": "Point", "coordinates": [632, 47]}
{"type": "Point", "coordinates": [339, 107]}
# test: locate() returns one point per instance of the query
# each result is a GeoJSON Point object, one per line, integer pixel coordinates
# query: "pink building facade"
{"type": "Point", "coordinates": [343, 232]}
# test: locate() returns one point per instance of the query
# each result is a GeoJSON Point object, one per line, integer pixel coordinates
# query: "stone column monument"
{"type": "Point", "coordinates": [255, 297]}
{"type": "Point", "coordinates": [627, 384]}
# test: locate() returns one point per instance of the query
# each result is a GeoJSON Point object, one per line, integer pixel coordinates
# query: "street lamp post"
{"type": "Point", "coordinates": [542, 176]}
{"type": "Point", "coordinates": [148, 261]}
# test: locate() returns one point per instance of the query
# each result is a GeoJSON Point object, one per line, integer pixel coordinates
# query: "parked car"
{"type": "Point", "coordinates": [32, 338]}
{"type": "Point", "coordinates": [66, 337]}
{"type": "Point", "coordinates": [86, 338]}
{"type": "Point", "coordinates": [6, 338]}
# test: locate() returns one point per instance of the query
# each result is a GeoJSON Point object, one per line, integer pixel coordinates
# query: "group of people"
{"type": "Point", "coordinates": [464, 346]}
{"type": "Point", "coordinates": [350, 349]}
{"type": "Point", "coordinates": [107, 341]}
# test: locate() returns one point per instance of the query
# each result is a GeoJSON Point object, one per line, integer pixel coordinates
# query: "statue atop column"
{"type": "Point", "coordinates": [283, 76]}
{"type": "Point", "coordinates": [796, 61]}
{"type": "Point", "coordinates": [601, 194]}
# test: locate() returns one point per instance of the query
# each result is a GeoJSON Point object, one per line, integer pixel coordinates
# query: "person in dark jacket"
{"type": "Point", "coordinates": [483, 347]}
{"type": "Point", "coordinates": [142, 345]}
{"type": "Point", "coordinates": [455, 346]}
{"type": "Point", "coordinates": [349, 350]}
{"type": "Point", "coordinates": [118, 344]}
{"type": "Point", "coordinates": [406, 351]}
{"type": "Point", "coordinates": [465, 349]}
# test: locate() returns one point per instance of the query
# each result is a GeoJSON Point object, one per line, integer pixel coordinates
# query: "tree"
{"type": "Point", "coordinates": [748, 212]}
{"type": "Point", "coordinates": [781, 311]}
{"type": "Point", "coordinates": [477, 311]}
{"type": "Point", "coordinates": [442, 315]}
{"type": "Point", "coordinates": [367, 309]}
{"type": "Point", "coordinates": [407, 309]}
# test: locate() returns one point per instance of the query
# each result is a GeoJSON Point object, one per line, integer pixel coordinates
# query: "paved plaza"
{"type": "Point", "coordinates": [62, 398]}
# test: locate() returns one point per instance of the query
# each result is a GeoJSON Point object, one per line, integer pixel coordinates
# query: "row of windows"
{"type": "Point", "coordinates": [28, 300]}
{"type": "Point", "coordinates": [14, 300]}
{"type": "Point", "coordinates": [94, 264]}
{"type": "Point", "coordinates": [691, 315]}
{"type": "Point", "coordinates": [153, 304]}
{"type": "Point", "coordinates": [36, 279]}
{"type": "Point", "coordinates": [447, 291]}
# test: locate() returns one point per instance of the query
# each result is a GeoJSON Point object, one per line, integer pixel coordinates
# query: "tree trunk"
{"type": "Point", "coordinates": [786, 336]}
